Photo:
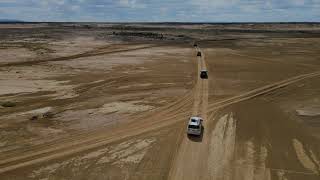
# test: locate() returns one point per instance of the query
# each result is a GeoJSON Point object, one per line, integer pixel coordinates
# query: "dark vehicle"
{"type": "Point", "coordinates": [195, 45]}
{"type": "Point", "coordinates": [199, 53]}
{"type": "Point", "coordinates": [204, 74]}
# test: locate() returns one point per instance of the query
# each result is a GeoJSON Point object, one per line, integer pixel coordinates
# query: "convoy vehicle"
{"type": "Point", "coordinates": [204, 74]}
{"type": "Point", "coordinates": [195, 126]}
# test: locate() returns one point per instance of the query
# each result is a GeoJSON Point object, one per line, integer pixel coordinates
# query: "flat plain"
{"type": "Point", "coordinates": [112, 101]}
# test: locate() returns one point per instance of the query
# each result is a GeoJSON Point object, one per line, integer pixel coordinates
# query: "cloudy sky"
{"type": "Point", "coordinates": [161, 10]}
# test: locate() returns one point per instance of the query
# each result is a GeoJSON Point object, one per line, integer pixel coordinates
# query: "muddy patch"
{"type": "Point", "coordinates": [33, 79]}
{"type": "Point", "coordinates": [135, 86]}
{"type": "Point", "coordinates": [76, 45]}
{"type": "Point", "coordinates": [309, 111]}
{"type": "Point", "coordinates": [222, 146]}
{"type": "Point", "coordinates": [124, 107]}
{"type": "Point", "coordinates": [15, 55]}
{"type": "Point", "coordinates": [110, 114]}
{"type": "Point", "coordinates": [61, 89]}
{"type": "Point", "coordinates": [33, 115]}
{"type": "Point", "coordinates": [307, 162]}
{"type": "Point", "coordinates": [121, 156]}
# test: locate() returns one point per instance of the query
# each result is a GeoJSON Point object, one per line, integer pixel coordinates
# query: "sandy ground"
{"type": "Point", "coordinates": [16, 55]}
{"type": "Point", "coordinates": [90, 108]}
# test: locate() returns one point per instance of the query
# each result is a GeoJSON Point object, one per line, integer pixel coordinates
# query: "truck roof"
{"type": "Point", "coordinates": [194, 121]}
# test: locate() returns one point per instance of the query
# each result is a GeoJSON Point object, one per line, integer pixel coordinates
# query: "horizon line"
{"type": "Point", "coordinates": [6, 21]}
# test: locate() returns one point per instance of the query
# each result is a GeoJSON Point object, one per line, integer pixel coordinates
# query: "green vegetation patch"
{"type": "Point", "coordinates": [8, 104]}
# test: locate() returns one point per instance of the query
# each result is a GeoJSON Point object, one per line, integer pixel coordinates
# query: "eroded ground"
{"type": "Point", "coordinates": [113, 103]}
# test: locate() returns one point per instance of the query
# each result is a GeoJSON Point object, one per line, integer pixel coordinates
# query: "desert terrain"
{"type": "Point", "coordinates": [112, 101]}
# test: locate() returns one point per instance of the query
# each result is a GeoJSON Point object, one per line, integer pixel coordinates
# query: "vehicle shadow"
{"type": "Point", "coordinates": [195, 138]}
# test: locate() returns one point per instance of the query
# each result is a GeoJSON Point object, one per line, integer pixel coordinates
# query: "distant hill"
{"type": "Point", "coordinates": [10, 21]}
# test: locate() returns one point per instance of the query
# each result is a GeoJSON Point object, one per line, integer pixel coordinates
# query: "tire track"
{"type": "Point", "coordinates": [76, 147]}
{"type": "Point", "coordinates": [265, 60]}
{"type": "Point", "coordinates": [80, 136]}
{"type": "Point", "coordinates": [261, 91]}
{"type": "Point", "coordinates": [132, 128]}
{"type": "Point", "coordinates": [97, 52]}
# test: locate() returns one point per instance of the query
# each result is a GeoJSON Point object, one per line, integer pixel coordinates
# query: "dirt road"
{"type": "Point", "coordinates": [192, 151]}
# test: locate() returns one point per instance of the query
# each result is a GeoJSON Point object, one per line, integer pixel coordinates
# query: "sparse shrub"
{"type": "Point", "coordinates": [139, 34]}
{"type": "Point", "coordinates": [8, 104]}
{"type": "Point", "coordinates": [33, 118]}
{"type": "Point", "coordinates": [48, 115]}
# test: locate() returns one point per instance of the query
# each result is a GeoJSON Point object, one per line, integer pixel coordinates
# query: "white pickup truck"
{"type": "Point", "coordinates": [195, 126]}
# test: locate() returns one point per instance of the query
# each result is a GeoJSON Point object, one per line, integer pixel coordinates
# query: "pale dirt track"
{"type": "Point", "coordinates": [192, 152]}
{"type": "Point", "coordinates": [96, 52]}
{"type": "Point", "coordinates": [262, 90]}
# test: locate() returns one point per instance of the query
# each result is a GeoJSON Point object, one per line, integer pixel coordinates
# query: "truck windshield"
{"type": "Point", "coordinates": [193, 127]}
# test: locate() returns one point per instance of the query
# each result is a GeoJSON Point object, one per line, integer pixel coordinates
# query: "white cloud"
{"type": "Point", "coordinates": [161, 10]}
{"type": "Point", "coordinates": [100, 5]}
{"type": "Point", "coordinates": [53, 2]}
{"type": "Point", "coordinates": [131, 4]}
{"type": "Point", "coordinates": [214, 3]}
{"type": "Point", "coordinates": [75, 7]}
{"type": "Point", "coordinates": [298, 2]}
